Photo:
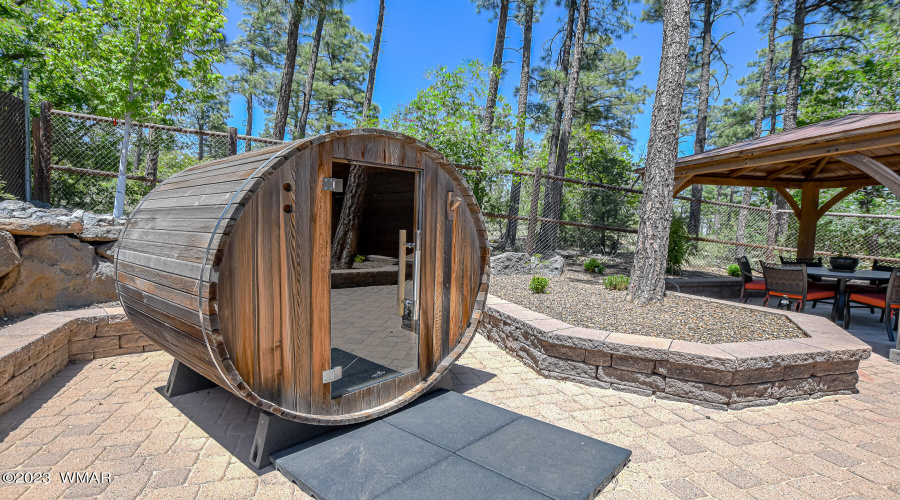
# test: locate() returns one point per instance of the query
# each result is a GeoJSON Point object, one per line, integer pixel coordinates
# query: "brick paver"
{"type": "Point", "coordinates": [108, 416]}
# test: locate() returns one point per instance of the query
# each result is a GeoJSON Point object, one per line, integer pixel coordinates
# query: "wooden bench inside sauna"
{"type": "Point", "coordinates": [228, 266]}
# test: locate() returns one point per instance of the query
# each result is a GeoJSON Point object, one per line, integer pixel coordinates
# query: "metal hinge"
{"type": "Point", "coordinates": [332, 375]}
{"type": "Point", "coordinates": [333, 184]}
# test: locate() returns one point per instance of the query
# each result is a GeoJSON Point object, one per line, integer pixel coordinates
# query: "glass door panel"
{"type": "Point", "coordinates": [374, 336]}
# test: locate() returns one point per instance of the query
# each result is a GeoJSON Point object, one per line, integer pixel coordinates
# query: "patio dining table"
{"type": "Point", "coordinates": [843, 277]}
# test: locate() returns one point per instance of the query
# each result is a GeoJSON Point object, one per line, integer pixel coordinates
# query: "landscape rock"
{"type": "Point", "coordinates": [107, 250]}
{"type": "Point", "coordinates": [41, 226]}
{"type": "Point", "coordinates": [9, 253]}
{"type": "Point", "coordinates": [100, 233]}
{"type": "Point", "coordinates": [56, 272]}
{"type": "Point", "coordinates": [510, 263]}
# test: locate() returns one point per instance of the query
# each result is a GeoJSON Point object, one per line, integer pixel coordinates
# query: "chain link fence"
{"type": "Point", "coordinates": [85, 153]}
{"type": "Point", "coordinates": [575, 217]}
{"type": "Point", "coordinates": [12, 146]}
{"type": "Point", "coordinates": [541, 214]}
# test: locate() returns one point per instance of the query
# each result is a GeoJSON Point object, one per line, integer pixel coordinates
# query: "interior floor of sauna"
{"type": "Point", "coordinates": [366, 326]}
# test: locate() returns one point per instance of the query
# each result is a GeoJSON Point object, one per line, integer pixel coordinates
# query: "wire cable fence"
{"type": "Point", "coordinates": [84, 156]}
{"type": "Point", "coordinates": [558, 215]}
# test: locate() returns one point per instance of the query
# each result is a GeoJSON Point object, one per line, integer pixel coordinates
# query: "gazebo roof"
{"type": "Point", "coordinates": [854, 150]}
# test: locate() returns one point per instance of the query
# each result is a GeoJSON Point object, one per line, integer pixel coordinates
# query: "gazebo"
{"type": "Point", "coordinates": [850, 152]}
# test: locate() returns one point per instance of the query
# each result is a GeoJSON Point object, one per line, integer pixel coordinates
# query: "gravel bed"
{"type": "Point", "coordinates": [581, 300]}
{"type": "Point", "coordinates": [370, 264]}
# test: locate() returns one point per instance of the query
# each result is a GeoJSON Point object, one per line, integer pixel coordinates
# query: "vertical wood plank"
{"type": "Point", "coordinates": [320, 394]}
{"type": "Point", "coordinates": [426, 308]}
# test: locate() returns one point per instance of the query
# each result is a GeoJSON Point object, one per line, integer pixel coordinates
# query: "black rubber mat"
{"type": "Point", "coordinates": [447, 445]}
{"type": "Point", "coordinates": [358, 372]}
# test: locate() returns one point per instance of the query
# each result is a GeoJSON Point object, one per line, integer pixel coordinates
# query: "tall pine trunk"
{"type": "Point", "coordinates": [287, 74]}
{"type": "Point", "coordinates": [564, 56]}
{"type": "Point", "coordinates": [649, 269]}
{"type": "Point", "coordinates": [249, 130]}
{"type": "Point", "coordinates": [496, 67]}
{"type": "Point", "coordinates": [757, 126]}
{"type": "Point", "coordinates": [767, 73]}
{"type": "Point", "coordinates": [310, 76]}
{"type": "Point", "coordinates": [795, 66]}
{"type": "Point", "coordinates": [346, 236]}
{"type": "Point", "coordinates": [515, 190]}
{"type": "Point", "coordinates": [547, 239]}
{"type": "Point", "coordinates": [373, 63]}
{"type": "Point", "coordinates": [702, 113]}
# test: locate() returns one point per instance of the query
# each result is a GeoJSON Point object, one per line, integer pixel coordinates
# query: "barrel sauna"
{"type": "Point", "coordinates": [228, 267]}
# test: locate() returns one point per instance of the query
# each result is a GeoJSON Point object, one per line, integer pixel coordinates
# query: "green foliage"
{"type": "Point", "coordinates": [359, 258]}
{"type": "Point", "coordinates": [616, 282]}
{"type": "Point", "coordinates": [341, 74]}
{"type": "Point", "coordinates": [113, 57]}
{"type": "Point", "coordinates": [448, 116]}
{"type": "Point", "coordinates": [678, 245]}
{"type": "Point", "coordinates": [538, 284]}
{"type": "Point", "coordinates": [593, 265]}
{"type": "Point", "coordinates": [865, 79]}
{"type": "Point", "coordinates": [734, 270]}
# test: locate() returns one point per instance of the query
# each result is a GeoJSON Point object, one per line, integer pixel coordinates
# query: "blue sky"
{"type": "Point", "coordinates": [421, 35]}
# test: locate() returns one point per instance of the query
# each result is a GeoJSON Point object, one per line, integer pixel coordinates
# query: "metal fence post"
{"type": "Point", "coordinates": [533, 210]}
{"type": "Point", "coordinates": [119, 205]}
{"type": "Point", "coordinates": [42, 176]}
{"type": "Point", "coordinates": [770, 233]}
{"type": "Point", "coordinates": [232, 141]}
{"type": "Point", "coordinates": [26, 99]}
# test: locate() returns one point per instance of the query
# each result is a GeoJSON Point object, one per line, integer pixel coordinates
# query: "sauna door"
{"type": "Point", "coordinates": [374, 271]}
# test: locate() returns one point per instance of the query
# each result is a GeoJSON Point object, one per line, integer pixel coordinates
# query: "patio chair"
{"type": "Point", "coordinates": [751, 285]}
{"type": "Point", "coordinates": [790, 283]}
{"type": "Point", "coordinates": [816, 282]}
{"type": "Point", "coordinates": [888, 301]}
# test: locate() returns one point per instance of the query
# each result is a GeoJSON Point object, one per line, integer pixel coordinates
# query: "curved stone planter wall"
{"type": "Point", "coordinates": [722, 376]}
{"type": "Point", "coordinates": [34, 350]}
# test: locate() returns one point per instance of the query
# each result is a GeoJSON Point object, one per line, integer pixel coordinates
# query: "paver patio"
{"type": "Point", "coordinates": [108, 416]}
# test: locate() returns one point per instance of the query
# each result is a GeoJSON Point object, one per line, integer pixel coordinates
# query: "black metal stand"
{"type": "Point", "coordinates": [273, 433]}
{"type": "Point", "coordinates": [183, 380]}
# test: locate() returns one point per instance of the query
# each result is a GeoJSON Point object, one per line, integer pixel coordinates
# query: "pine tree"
{"type": "Point", "coordinates": [648, 272]}
{"type": "Point", "coordinates": [255, 55]}
{"type": "Point", "coordinates": [287, 73]}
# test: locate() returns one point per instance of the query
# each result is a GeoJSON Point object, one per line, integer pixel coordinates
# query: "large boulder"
{"type": "Point", "coordinates": [510, 263]}
{"type": "Point", "coordinates": [9, 254]}
{"type": "Point", "coordinates": [41, 226]}
{"type": "Point", "coordinates": [56, 272]}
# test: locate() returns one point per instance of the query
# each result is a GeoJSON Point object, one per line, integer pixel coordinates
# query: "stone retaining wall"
{"type": "Point", "coordinates": [717, 288]}
{"type": "Point", "coordinates": [722, 376]}
{"type": "Point", "coordinates": [34, 350]}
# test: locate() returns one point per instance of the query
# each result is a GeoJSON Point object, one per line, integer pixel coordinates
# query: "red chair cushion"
{"type": "Point", "coordinates": [755, 285]}
{"type": "Point", "coordinates": [871, 299]}
{"type": "Point", "coordinates": [810, 295]}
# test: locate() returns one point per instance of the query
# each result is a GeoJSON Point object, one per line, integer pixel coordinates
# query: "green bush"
{"type": "Point", "coordinates": [359, 258]}
{"type": "Point", "coordinates": [593, 265]}
{"type": "Point", "coordinates": [678, 245]}
{"type": "Point", "coordinates": [734, 270]}
{"type": "Point", "coordinates": [616, 282]}
{"type": "Point", "coordinates": [538, 284]}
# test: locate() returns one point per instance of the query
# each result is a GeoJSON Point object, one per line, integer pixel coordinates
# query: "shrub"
{"type": "Point", "coordinates": [734, 270]}
{"type": "Point", "coordinates": [616, 282]}
{"type": "Point", "coordinates": [538, 284]}
{"type": "Point", "coordinates": [593, 265]}
{"type": "Point", "coordinates": [359, 258]}
{"type": "Point", "coordinates": [678, 245]}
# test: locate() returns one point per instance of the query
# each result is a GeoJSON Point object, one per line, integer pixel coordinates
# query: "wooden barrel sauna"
{"type": "Point", "coordinates": [228, 267]}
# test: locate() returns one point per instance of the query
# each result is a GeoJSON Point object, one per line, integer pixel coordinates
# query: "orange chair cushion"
{"type": "Point", "coordinates": [871, 299]}
{"type": "Point", "coordinates": [810, 295]}
{"type": "Point", "coordinates": [755, 285]}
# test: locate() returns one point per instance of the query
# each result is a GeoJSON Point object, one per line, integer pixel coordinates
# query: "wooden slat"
{"type": "Point", "coordinates": [180, 283]}
{"type": "Point", "coordinates": [172, 295]}
{"type": "Point", "coordinates": [320, 270]}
